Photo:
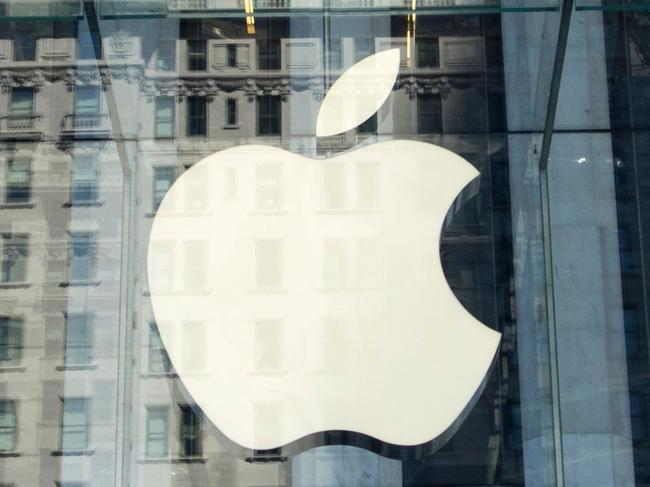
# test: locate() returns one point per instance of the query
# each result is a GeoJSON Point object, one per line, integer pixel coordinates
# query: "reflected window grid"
{"type": "Point", "coordinates": [8, 425]}
{"type": "Point", "coordinates": [79, 333]}
{"type": "Point", "coordinates": [75, 423]}
{"type": "Point", "coordinates": [11, 340]}
{"type": "Point", "coordinates": [14, 258]}
{"type": "Point", "coordinates": [18, 180]}
{"type": "Point", "coordinates": [157, 431]}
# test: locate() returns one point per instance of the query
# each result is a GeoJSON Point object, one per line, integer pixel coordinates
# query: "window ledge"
{"type": "Point", "coordinates": [16, 206]}
{"type": "Point", "coordinates": [76, 367]}
{"type": "Point", "coordinates": [12, 368]}
{"type": "Point", "coordinates": [159, 375]}
{"type": "Point", "coordinates": [9, 454]}
{"type": "Point", "coordinates": [78, 204]}
{"type": "Point", "coordinates": [15, 285]}
{"type": "Point", "coordinates": [79, 283]}
{"type": "Point", "coordinates": [71, 453]}
{"type": "Point", "coordinates": [198, 459]}
{"type": "Point", "coordinates": [231, 127]}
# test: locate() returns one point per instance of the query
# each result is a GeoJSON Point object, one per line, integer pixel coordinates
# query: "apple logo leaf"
{"type": "Point", "coordinates": [358, 93]}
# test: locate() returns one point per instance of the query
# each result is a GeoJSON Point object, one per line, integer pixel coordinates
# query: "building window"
{"type": "Point", "coordinates": [428, 54]}
{"type": "Point", "coordinates": [8, 425]}
{"type": "Point", "coordinates": [363, 47]}
{"type": "Point", "coordinates": [24, 45]}
{"type": "Point", "coordinates": [190, 434]}
{"type": "Point", "coordinates": [163, 178]}
{"type": "Point", "coordinates": [158, 358]}
{"type": "Point", "coordinates": [268, 264]}
{"type": "Point", "coordinates": [334, 53]}
{"type": "Point", "coordinates": [231, 112]}
{"type": "Point", "coordinates": [196, 116]}
{"type": "Point", "coordinates": [19, 176]}
{"type": "Point", "coordinates": [369, 126]}
{"type": "Point", "coordinates": [165, 108]}
{"type": "Point", "coordinates": [268, 179]}
{"type": "Point", "coordinates": [268, 53]}
{"type": "Point", "coordinates": [429, 114]}
{"type": "Point", "coordinates": [21, 103]}
{"type": "Point", "coordinates": [11, 340]}
{"type": "Point", "coordinates": [166, 55]}
{"type": "Point", "coordinates": [82, 257]}
{"type": "Point", "coordinates": [367, 186]}
{"type": "Point", "coordinates": [74, 423]}
{"type": "Point", "coordinates": [196, 54]}
{"type": "Point", "coordinates": [335, 263]}
{"type": "Point", "coordinates": [269, 115]}
{"type": "Point", "coordinates": [14, 258]}
{"type": "Point", "coordinates": [85, 176]}
{"type": "Point", "coordinates": [157, 434]}
{"type": "Point", "coordinates": [268, 345]}
{"type": "Point", "coordinates": [86, 99]}
{"type": "Point", "coordinates": [231, 55]}
{"type": "Point", "coordinates": [335, 186]}
{"type": "Point", "coordinates": [79, 339]}
{"type": "Point", "coordinates": [86, 46]}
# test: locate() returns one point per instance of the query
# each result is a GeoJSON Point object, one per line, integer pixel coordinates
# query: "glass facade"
{"type": "Point", "coordinates": [105, 104]}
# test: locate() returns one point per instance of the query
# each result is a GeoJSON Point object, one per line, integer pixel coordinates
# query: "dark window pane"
{"type": "Point", "coordinates": [87, 46]}
{"type": "Point", "coordinates": [268, 53]}
{"type": "Point", "coordinates": [231, 111]}
{"type": "Point", "coordinates": [232, 55]}
{"type": "Point", "coordinates": [196, 54]}
{"type": "Point", "coordinates": [190, 434]}
{"type": "Point", "coordinates": [369, 126]}
{"type": "Point", "coordinates": [11, 339]}
{"type": "Point", "coordinates": [269, 115]}
{"type": "Point", "coordinates": [196, 115]}
{"type": "Point", "coordinates": [429, 114]}
{"type": "Point", "coordinates": [428, 55]}
{"type": "Point", "coordinates": [24, 46]}
{"type": "Point", "coordinates": [14, 258]}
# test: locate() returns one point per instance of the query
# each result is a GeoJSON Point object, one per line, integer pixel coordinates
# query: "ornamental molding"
{"type": "Point", "coordinates": [210, 87]}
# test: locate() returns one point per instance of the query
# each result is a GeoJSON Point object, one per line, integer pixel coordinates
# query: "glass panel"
{"type": "Point", "coordinates": [74, 424]}
{"type": "Point", "coordinates": [93, 315]}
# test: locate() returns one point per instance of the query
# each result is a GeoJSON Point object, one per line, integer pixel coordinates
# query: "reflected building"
{"type": "Point", "coordinates": [89, 396]}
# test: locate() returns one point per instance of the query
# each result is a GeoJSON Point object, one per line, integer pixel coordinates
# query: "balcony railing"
{"type": "Point", "coordinates": [85, 125]}
{"type": "Point", "coordinates": [23, 125]}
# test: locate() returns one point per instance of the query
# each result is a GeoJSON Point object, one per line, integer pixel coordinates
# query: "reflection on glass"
{"type": "Point", "coordinates": [269, 186]}
{"type": "Point", "coordinates": [11, 340]}
{"type": "Point", "coordinates": [163, 178]}
{"type": "Point", "coordinates": [158, 360]}
{"type": "Point", "coordinates": [85, 179]}
{"type": "Point", "coordinates": [75, 422]}
{"type": "Point", "coordinates": [164, 123]}
{"type": "Point", "coordinates": [157, 431]}
{"type": "Point", "coordinates": [14, 258]}
{"type": "Point", "coordinates": [190, 436]}
{"type": "Point", "coordinates": [18, 188]}
{"type": "Point", "coordinates": [268, 345]}
{"type": "Point", "coordinates": [268, 264]}
{"type": "Point", "coordinates": [8, 425]}
{"type": "Point", "coordinates": [82, 261]}
{"type": "Point", "coordinates": [79, 332]}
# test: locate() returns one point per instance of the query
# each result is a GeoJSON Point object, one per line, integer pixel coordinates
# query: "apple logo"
{"type": "Point", "coordinates": [296, 295]}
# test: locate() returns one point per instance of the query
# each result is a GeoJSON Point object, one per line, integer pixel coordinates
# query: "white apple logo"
{"type": "Point", "coordinates": [299, 295]}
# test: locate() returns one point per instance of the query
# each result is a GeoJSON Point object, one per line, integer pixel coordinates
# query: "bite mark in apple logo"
{"type": "Point", "coordinates": [307, 295]}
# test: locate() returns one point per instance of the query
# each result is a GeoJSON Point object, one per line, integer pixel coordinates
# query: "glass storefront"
{"type": "Point", "coordinates": [105, 104]}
